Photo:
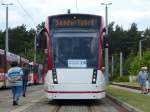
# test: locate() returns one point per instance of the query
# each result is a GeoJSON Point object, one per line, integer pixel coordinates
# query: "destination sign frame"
{"type": "Point", "coordinates": [74, 21]}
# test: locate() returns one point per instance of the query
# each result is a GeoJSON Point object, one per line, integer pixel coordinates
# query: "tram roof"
{"type": "Point", "coordinates": [74, 14]}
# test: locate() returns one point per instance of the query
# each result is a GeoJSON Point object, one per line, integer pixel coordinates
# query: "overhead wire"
{"type": "Point", "coordinates": [26, 12]}
{"type": "Point", "coordinates": [77, 6]}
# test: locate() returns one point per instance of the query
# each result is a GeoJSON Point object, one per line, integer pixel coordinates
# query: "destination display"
{"type": "Point", "coordinates": [73, 21]}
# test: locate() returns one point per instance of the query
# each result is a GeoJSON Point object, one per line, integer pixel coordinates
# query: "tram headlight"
{"type": "Point", "coordinates": [94, 77]}
{"type": "Point", "coordinates": [54, 76]}
{"type": "Point", "coordinates": [94, 80]}
{"type": "Point", "coordinates": [55, 79]}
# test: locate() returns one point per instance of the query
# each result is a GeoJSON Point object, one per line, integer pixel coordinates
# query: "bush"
{"type": "Point", "coordinates": [121, 79]}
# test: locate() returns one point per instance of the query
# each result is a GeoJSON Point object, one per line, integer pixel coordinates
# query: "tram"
{"type": "Point", "coordinates": [35, 73]}
{"type": "Point", "coordinates": [6, 58]}
{"type": "Point", "coordinates": [74, 56]}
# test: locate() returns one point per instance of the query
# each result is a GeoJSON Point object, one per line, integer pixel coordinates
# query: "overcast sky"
{"type": "Point", "coordinates": [33, 12]}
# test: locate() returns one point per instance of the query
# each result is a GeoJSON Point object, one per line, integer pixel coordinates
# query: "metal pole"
{"type": "Point", "coordinates": [106, 17]}
{"type": "Point", "coordinates": [35, 49]}
{"type": "Point", "coordinates": [106, 46]}
{"type": "Point", "coordinates": [106, 49]}
{"type": "Point", "coordinates": [6, 38]}
{"type": "Point", "coordinates": [77, 6]}
{"type": "Point", "coordinates": [140, 49]}
{"type": "Point", "coordinates": [6, 41]}
{"type": "Point", "coordinates": [112, 66]}
{"type": "Point", "coordinates": [121, 73]}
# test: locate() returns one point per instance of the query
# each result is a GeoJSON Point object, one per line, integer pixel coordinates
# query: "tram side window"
{"type": "Point", "coordinates": [1, 61]}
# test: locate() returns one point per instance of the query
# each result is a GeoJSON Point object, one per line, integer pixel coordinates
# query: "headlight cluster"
{"type": "Point", "coordinates": [54, 76]}
{"type": "Point", "coordinates": [94, 77]}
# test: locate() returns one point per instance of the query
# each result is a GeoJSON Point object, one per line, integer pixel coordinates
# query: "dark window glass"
{"type": "Point", "coordinates": [75, 52]}
{"type": "Point", "coordinates": [2, 60]}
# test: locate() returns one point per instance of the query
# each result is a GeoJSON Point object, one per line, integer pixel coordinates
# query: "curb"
{"type": "Point", "coordinates": [123, 104]}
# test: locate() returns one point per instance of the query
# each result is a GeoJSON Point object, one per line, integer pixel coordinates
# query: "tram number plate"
{"type": "Point", "coordinates": [77, 63]}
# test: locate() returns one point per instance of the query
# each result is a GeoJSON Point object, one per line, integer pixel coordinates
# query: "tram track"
{"type": "Point", "coordinates": [106, 105]}
{"type": "Point", "coordinates": [71, 106]}
{"type": "Point", "coordinates": [56, 108]}
{"type": "Point", "coordinates": [91, 108]}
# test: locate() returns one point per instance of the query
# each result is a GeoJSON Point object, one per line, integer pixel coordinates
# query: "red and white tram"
{"type": "Point", "coordinates": [74, 57]}
{"type": "Point", "coordinates": [35, 73]}
{"type": "Point", "coordinates": [5, 61]}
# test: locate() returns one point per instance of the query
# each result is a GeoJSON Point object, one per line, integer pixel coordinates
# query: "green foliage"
{"type": "Point", "coordinates": [116, 64]}
{"type": "Point", "coordinates": [128, 42]}
{"type": "Point", "coordinates": [125, 41]}
{"type": "Point", "coordinates": [40, 26]}
{"type": "Point", "coordinates": [127, 64]}
{"type": "Point", "coordinates": [121, 79]}
{"type": "Point", "coordinates": [21, 42]}
{"type": "Point", "coordinates": [146, 58]}
{"type": "Point", "coordinates": [136, 64]}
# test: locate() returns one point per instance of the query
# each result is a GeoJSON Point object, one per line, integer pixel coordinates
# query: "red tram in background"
{"type": "Point", "coordinates": [36, 71]}
{"type": "Point", "coordinates": [5, 60]}
{"type": "Point", "coordinates": [36, 74]}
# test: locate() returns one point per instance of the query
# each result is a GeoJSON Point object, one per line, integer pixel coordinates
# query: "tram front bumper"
{"type": "Point", "coordinates": [75, 91]}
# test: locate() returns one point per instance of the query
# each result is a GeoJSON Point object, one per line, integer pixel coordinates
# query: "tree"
{"type": "Point", "coordinates": [133, 37]}
{"type": "Point", "coordinates": [21, 40]}
{"type": "Point", "coordinates": [40, 26]}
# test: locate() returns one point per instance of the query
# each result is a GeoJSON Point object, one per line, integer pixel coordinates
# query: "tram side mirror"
{"type": "Point", "coordinates": [105, 41]}
{"type": "Point", "coordinates": [40, 41]}
{"type": "Point", "coordinates": [104, 29]}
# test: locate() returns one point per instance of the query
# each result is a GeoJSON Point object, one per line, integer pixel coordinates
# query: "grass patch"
{"type": "Point", "coordinates": [137, 100]}
{"type": "Point", "coordinates": [136, 84]}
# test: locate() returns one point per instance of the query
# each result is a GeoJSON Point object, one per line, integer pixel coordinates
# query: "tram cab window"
{"type": "Point", "coordinates": [75, 48]}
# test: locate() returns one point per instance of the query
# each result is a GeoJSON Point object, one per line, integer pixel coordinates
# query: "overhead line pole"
{"type": "Point", "coordinates": [6, 41]}
{"type": "Point", "coordinates": [77, 6]}
{"type": "Point", "coordinates": [6, 38]}
{"type": "Point", "coordinates": [140, 46]}
{"type": "Point", "coordinates": [35, 44]}
{"type": "Point", "coordinates": [106, 44]}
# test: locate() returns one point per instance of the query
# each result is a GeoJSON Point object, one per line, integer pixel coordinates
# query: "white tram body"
{"type": "Point", "coordinates": [75, 84]}
{"type": "Point", "coordinates": [74, 57]}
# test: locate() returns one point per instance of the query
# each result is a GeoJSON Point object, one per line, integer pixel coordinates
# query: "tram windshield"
{"type": "Point", "coordinates": [75, 52]}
